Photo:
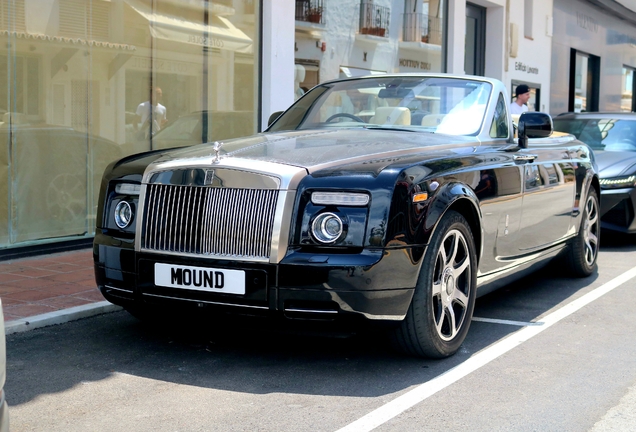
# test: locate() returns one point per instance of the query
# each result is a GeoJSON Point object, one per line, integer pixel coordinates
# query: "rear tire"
{"type": "Point", "coordinates": [583, 251]}
{"type": "Point", "coordinates": [439, 316]}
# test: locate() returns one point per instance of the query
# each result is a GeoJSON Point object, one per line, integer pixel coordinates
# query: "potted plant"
{"type": "Point", "coordinates": [314, 14]}
{"type": "Point", "coordinates": [374, 31]}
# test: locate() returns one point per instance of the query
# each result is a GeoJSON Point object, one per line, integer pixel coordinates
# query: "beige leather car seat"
{"type": "Point", "coordinates": [432, 120]}
{"type": "Point", "coordinates": [391, 116]}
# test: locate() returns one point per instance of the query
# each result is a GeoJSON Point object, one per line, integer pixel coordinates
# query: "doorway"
{"type": "Point", "coordinates": [585, 70]}
{"type": "Point", "coordinates": [475, 42]}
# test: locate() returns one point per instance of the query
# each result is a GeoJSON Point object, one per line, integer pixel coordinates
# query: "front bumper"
{"type": "Point", "coordinates": [618, 210]}
{"type": "Point", "coordinates": [371, 285]}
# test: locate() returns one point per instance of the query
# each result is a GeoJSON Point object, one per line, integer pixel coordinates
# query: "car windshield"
{"type": "Point", "coordinates": [601, 134]}
{"type": "Point", "coordinates": [432, 104]}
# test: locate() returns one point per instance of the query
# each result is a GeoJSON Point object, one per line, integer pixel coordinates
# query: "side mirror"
{"type": "Point", "coordinates": [273, 117]}
{"type": "Point", "coordinates": [533, 125]}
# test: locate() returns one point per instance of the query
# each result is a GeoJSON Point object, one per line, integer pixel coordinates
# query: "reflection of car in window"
{"type": "Point", "coordinates": [188, 129]}
{"type": "Point", "coordinates": [65, 164]}
{"type": "Point", "coordinates": [612, 137]}
{"type": "Point", "coordinates": [350, 211]}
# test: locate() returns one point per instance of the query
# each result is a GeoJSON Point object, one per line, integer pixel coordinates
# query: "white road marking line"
{"type": "Point", "coordinates": [402, 403]}
{"type": "Point", "coordinates": [502, 321]}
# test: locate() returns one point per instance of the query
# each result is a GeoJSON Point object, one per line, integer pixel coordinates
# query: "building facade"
{"type": "Point", "coordinates": [85, 82]}
{"type": "Point", "coordinates": [593, 56]}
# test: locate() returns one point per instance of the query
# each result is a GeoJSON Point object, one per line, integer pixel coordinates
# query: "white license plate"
{"type": "Point", "coordinates": [200, 278]}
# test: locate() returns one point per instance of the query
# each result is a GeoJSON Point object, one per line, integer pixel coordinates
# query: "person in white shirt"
{"type": "Point", "coordinates": [158, 112]}
{"type": "Point", "coordinates": [518, 106]}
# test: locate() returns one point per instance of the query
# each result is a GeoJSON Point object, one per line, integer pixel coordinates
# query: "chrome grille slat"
{"type": "Point", "coordinates": [209, 221]}
{"type": "Point", "coordinates": [161, 217]}
{"type": "Point", "coordinates": [200, 201]}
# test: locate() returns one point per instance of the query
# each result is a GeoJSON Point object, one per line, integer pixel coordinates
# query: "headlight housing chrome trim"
{"type": "Point", "coordinates": [123, 214]}
{"type": "Point", "coordinates": [327, 227]}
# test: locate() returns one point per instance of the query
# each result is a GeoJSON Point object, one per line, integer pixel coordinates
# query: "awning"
{"type": "Point", "coordinates": [220, 33]}
{"type": "Point", "coordinates": [69, 46]}
{"type": "Point", "coordinates": [78, 42]}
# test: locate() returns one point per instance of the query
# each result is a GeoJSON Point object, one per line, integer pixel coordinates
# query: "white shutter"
{"type": "Point", "coordinates": [85, 19]}
{"type": "Point", "coordinates": [12, 15]}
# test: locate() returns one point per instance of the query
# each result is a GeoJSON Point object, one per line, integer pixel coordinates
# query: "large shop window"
{"type": "Point", "coordinates": [585, 70]}
{"type": "Point", "coordinates": [112, 78]}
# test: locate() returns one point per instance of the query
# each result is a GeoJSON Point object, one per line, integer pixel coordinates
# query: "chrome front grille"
{"type": "Point", "coordinates": [210, 221]}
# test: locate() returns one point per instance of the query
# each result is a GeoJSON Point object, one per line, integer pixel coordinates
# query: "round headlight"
{"type": "Point", "coordinates": [123, 214]}
{"type": "Point", "coordinates": [327, 227]}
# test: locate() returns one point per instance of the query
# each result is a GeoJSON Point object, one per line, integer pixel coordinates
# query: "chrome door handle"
{"type": "Point", "coordinates": [525, 157]}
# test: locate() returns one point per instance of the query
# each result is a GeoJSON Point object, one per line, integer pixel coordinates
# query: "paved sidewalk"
{"type": "Point", "coordinates": [49, 283]}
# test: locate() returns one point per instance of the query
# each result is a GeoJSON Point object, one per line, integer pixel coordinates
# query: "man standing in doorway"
{"type": "Point", "coordinates": [518, 106]}
{"type": "Point", "coordinates": [152, 111]}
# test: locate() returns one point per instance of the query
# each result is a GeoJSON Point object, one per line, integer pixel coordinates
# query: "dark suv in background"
{"type": "Point", "coordinates": [612, 137]}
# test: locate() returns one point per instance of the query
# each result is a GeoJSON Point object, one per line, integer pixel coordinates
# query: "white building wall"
{"type": "Point", "coordinates": [532, 63]}
{"type": "Point", "coordinates": [456, 36]}
{"type": "Point", "coordinates": [584, 27]}
{"type": "Point", "coordinates": [277, 76]}
{"type": "Point", "coordinates": [345, 47]}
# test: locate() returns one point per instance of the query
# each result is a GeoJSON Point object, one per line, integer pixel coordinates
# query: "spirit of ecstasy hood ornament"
{"type": "Point", "coordinates": [217, 149]}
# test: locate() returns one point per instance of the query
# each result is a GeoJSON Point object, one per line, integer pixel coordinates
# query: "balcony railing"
{"type": "Point", "coordinates": [312, 11]}
{"type": "Point", "coordinates": [420, 27]}
{"type": "Point", "coordinates": [374, 20]}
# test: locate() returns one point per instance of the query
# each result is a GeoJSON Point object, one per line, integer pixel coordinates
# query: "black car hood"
{"type": "Point", "coordinates": [615, 163]}
{"type": "Point", "coordinates": [318, 149]}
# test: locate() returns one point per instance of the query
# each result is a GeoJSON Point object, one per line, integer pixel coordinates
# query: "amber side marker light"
{"type": "Point", "coordinates": [420, 197]}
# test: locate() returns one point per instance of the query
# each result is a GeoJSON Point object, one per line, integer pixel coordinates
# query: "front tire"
{"type": "Point", "coordinates": [583, 252]}
{"type": "Point", "coordinates": [442, 307]}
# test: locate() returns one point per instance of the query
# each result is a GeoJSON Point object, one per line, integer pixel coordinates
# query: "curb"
{"type": "Point", "coordinates": [59, 317]}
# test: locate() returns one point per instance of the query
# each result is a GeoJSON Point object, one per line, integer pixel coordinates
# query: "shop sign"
{"type": "Point", "coordinates": [525, 68]}
{"type": "Point", "coordinates": [586, 22]}
{"type": "Point", "coordinates": [416, 64]}
{"type": "Point", "coordinates": [206, 41]}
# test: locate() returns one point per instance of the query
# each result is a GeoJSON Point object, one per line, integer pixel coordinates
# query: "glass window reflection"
{"type": "Point", "coordinates": [104, 82]}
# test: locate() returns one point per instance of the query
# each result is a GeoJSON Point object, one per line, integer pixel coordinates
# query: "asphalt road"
{"type": "Point", "coordinates": [547, 353]}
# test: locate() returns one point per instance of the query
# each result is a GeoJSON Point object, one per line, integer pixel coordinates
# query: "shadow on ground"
{"type": "Point", "coordinates": [260, 358]}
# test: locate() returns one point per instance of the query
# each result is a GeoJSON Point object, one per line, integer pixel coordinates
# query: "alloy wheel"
{"type": "Point", "coordinates": [451, 285]}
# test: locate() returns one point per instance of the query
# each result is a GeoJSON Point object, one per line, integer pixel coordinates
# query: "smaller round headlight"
{"type": "Point", "coordinates": [327, 227]}
{"type": "Point", "coordinates": [123, 214]}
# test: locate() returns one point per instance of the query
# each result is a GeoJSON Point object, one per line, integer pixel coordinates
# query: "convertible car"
{"type": "Point", "coordinates": [392, 199]}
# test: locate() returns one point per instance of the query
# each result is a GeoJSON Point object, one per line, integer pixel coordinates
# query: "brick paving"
{"type": "Point", "coordinates": [36, 285]}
